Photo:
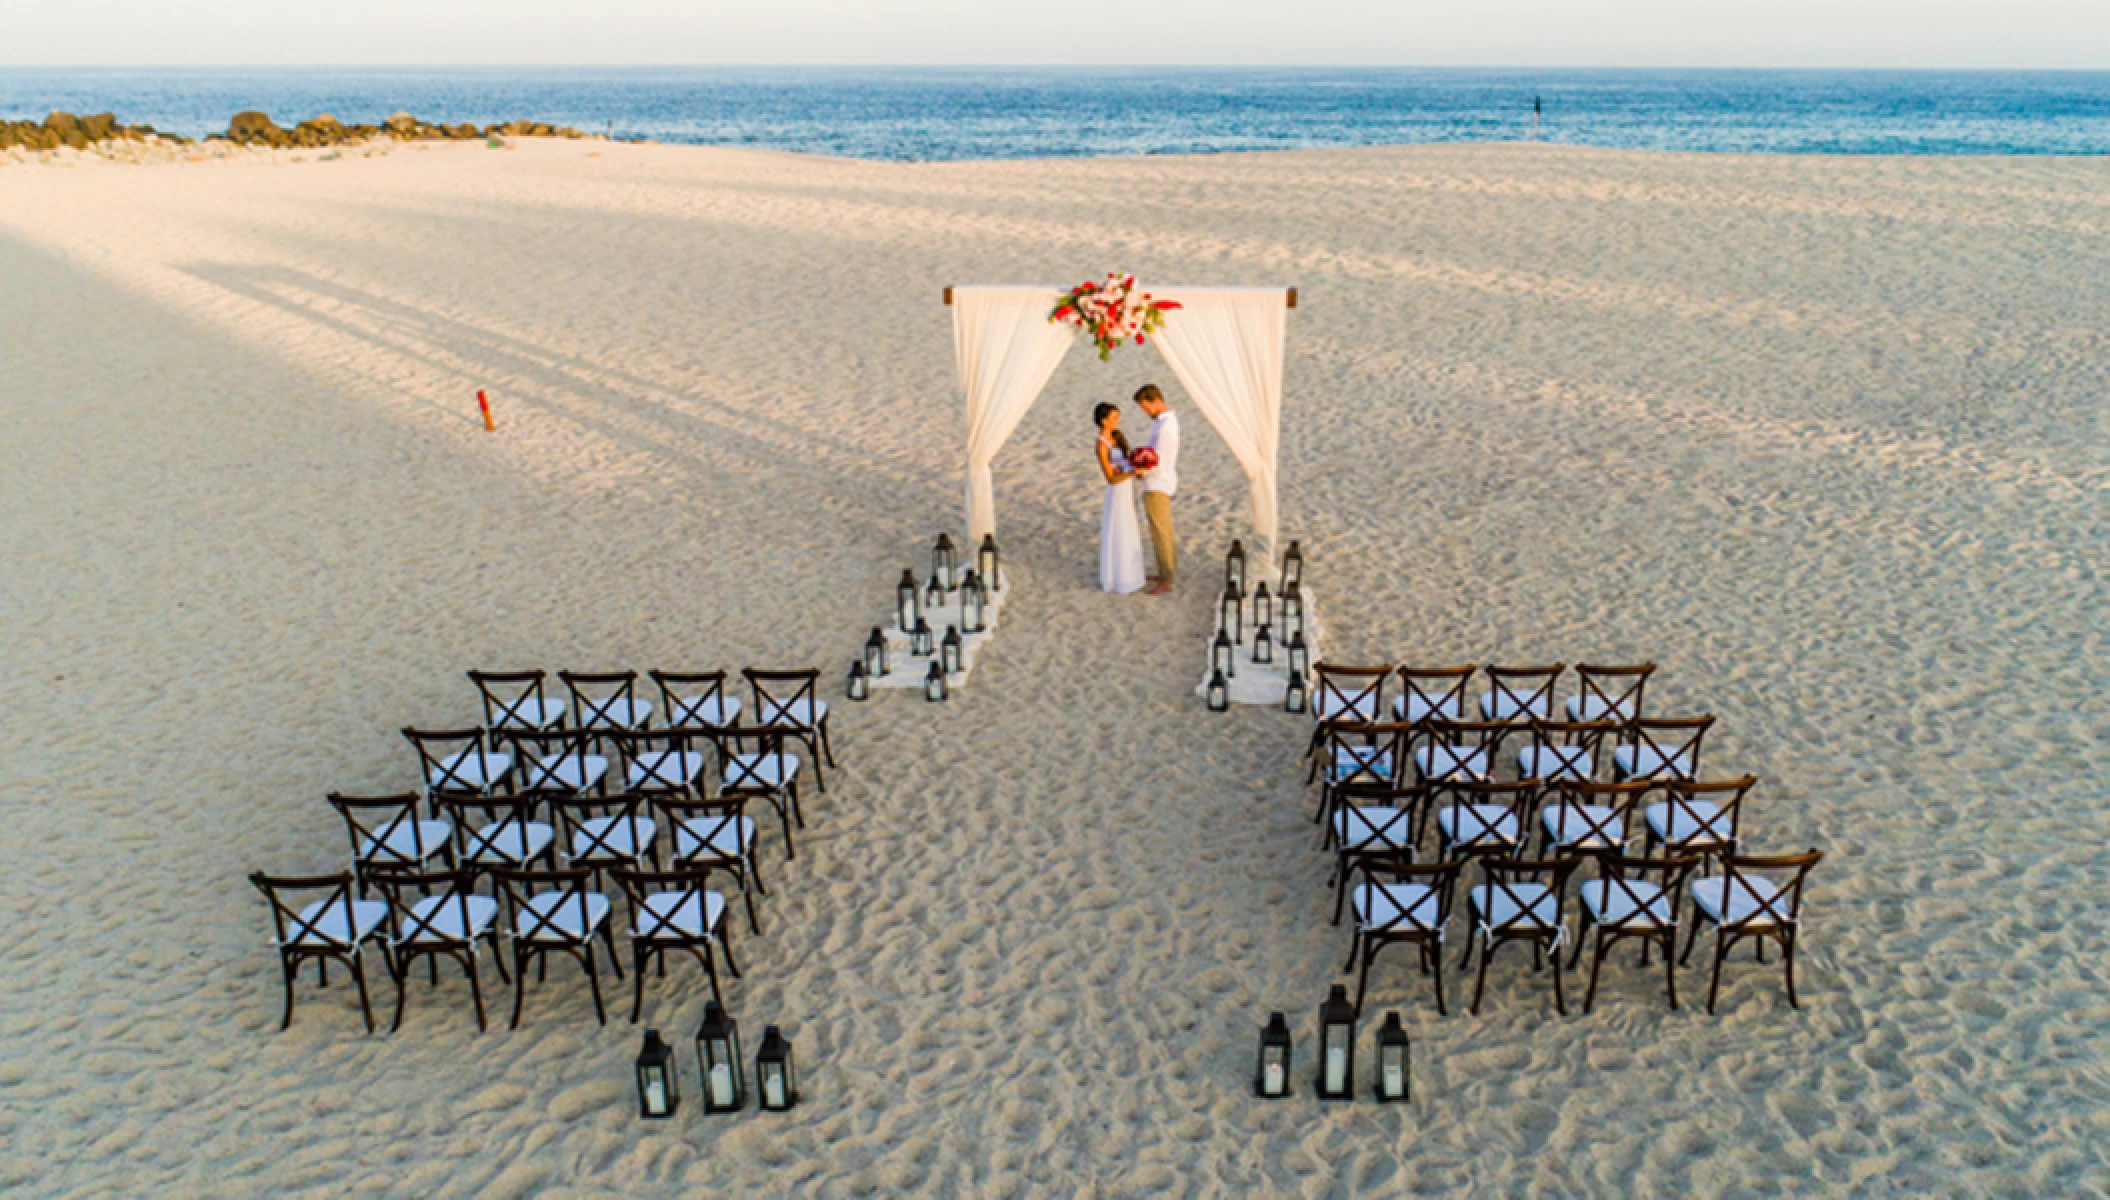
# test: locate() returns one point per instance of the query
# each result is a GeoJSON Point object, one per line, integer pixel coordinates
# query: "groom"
{"type": "Point", "coordinates": [1160, 483]}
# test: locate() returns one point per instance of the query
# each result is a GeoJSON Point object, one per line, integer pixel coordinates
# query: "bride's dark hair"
{"type": "Point", "coordinates": [1099, 416]}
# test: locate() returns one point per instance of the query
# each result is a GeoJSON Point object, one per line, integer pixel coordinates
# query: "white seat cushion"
{"type": "Point", "coordinates": [403, 841]}
{"type": "Point", "coordinates": [574, 772]}
{"type": "Point", "coordinates": [1556, 762]}
{"type": "Point", "coordinates": [1646, 761]}
{"type": "Point", "coordinates": [612, 837]}
{"type": "Point", "coordinates": [528, 713]}
{"type": "Point", "coordinates": [1694, 823]}
{"type": "Point", "coordinates": [1597, 708]}
{"type": "Point", "coordinates": [561, 910]}
{"type": "Point", "coordinates": [1477, 824]}
{"type": "Point", "coordinates": [336, 925]}
{"type": "Point", "coordinates": [1745, 897]}
{"type": "Point", "coordinates": [1367, 763]}
{"type": "Point", "coordinates": [705, 710]}
{"type": "Point", "coordinates": [665, 768]}
{"type": "Point", "coordinates": [1451, 762]}
{"type": "Point", "coordinates": [804, 710]}
{"type": "Point", "coordinates": [1373, 827]}
{"type": "Point", "coordinates": [681, 915]}
{"type": "Point", "coordinates": [445, 915]}
{"type": "Point", "coordinates": [761, 770]}
{"type": "Point", "coordinates": [1411, 707]}
{"type": "Point", "coordinates": [1361, 706]}
{"type": "Point", "coordinates": [614, 713]}
{"type": "Point", "coordinates": [469, 769]}
{"type": "Point", "coordinates": [1520, 906]}
{"type": "Point", "coordinates": [1397, 907]}
{"type": "Point", "coordinates": [1588, 826]}
{"type": "Point", "coordinates": [510, 841]}
{"type": "Point", "coordinates": [1608, 904]}
{"type": "Point", "coordinates": [1502, 706]}
{"type": "Point", "coordinates": [724, 838]}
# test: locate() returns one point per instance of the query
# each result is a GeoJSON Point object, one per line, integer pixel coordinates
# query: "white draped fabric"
{"type": "Point", "coordinates": [1225, 346]}
{"type": "Point", "coordinates": [1006, 348]}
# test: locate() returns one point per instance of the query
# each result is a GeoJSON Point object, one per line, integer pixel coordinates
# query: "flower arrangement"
{"type": "Point", "coordinates": [1144, 459]}
{"type": "Point", "coordinates": [1112, 312]}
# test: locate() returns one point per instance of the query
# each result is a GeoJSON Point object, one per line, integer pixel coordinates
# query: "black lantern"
{"type": "Point", "coordinates": [1336, 1079]}
{"type": "Point", "coordinates": [919, 641]}
{"type": "Point", "coordinates": [972, 602]}
{"type": "Point", "coordinates": [933, 596]}
{"type": "Point", "coordinates": [1292, 603]}
{"type": "Point", "coordinates": [1299, 654]}
{"type": "Point", "coordinates": [987, 561]}
{"type": "Point", "coordinates": [905, 610]}
{"type": "Point", "coordinates": [1395, 1079]}
{"type": "Point", "coordinates": [1219, 693]}
{"type": "Point", "coordinates": [1293, 566]}
{"type": "Point", "coordinates": [1234, 568]}
{"type": "Point", "coordinates": [1271, 1077]}
{"type": "Point", "coordinates": [949, 650]}
{"type": "Point", "coordinates": [859, 684]}
{"type": "Point", "coordinates": [1232, 617]}
{"type": "Point", "coordinates": [718, 1050]}
{"type": "Point", "coordinates": [1263, 647]}
{"type": "Point", "coordinates": [875, 654]}
{"type": "Point", "coordinates": [943, 566]}
{"type": "Point", "coordinates": [934, 684]}
{"type": "Point", "coordinates": [658, 1082]}
{"type": "Point", "coordinates": [1295, 699]}
{"type": "Point", "coordinates": [1263, 605]}
{"type": "Point", "coordinates": [776, 1072]}
{"type": "Point", "coordinates": [1221, 657]}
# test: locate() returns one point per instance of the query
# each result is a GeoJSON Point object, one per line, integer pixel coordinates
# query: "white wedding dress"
{"type": "Point", "coordinates": [1120, 533]}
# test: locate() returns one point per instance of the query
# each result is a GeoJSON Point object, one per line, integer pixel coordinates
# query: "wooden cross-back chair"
{"type": "Point", "coordinates": [387, 832]}
{"type": "Point", "coordinates": [676, 758]}
{"type": "Point", "coordinates": [516, 701]}
{"type": "Point", "coordinates": [674, 910]}
{"type": "Point", "coordinates": [1590, 818]}
{"type": "Point", "coordinates": [555, 912]}
{"type": "Point", "coordinates": [1519, 900]}
{"type": "Point", "coordinates": [1632, 898]}
{"type": "Point", "coordinates": [1431, 694]}
{"type": "Point", "coordinates": [697, 698]}
{"type": "Point", "coordinates": [1371, 820]}
{"type": "Point", "coordinates": [1609, 693]}
{"type": "Point", "coordinates": [1697, 817]}
{"type": "Point", "coordinates": [446, 920]}
{"type": "Point", "coordinates": [1661, 748]}
{"type": "Point", "coordinates": [601, 833]}
{"type": "Point", "coordinates": [1342, 693]}
{"type": "Point", "coordinates": [558, 760]}
{"type": "Point", "coordinates": [756, 763]}
{"type": "Point", "coordinates": [1401, 902]}
{"type": "Point", "coordinates": [1520, 695]}
{"type": "Point", "coordinates": [502, 831]}
{"type": "Point", "coordinates": [1459, 750]}
{"type": "Point", "coordinates": [790, 700]}
{"type": "Point", "coordinates": [606, 702]}
{"type": "Point", "coordinates": [337, 926]}
{"type": "Point", "coordinates": [716, 834]}
{"type": "Point", "coordinates": [1753, 898]}
{"type": "Point", "coordinates": [459, 762]}
{"type": "Point", "coordinates": [1477, 817]}
{"type": "Point", "coordinates": [1353, 752]}
{"type": "Point", "coordinates": [1564, 750]}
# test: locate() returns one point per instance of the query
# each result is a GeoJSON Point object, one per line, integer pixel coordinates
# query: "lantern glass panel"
{"type": "Point", "coordinates": [933, 596]}
{"type": "Point", "coordinates": [1263, 647]}
{"type": "Point", "coordinates": [875, 655]}
{"type": "Point", "coordinates": [1234, 568]}
{"type": "Point", "coordinates": [988, 562]}
{"type": "Point", "coordinates": [1336, 1045]}
{"type": "Point", "coordinates": [1221, 656]}
{"type": "Point", "coordinates": [658, 1085]}
{"type": "Point", "coordinates": [905, 610]}
{"type": "Point", "coordinates": [950, 658]}
{"type": "Point", "coordinates": [942, 562]}
{"type": "Point", "coordinates": [1263, 605]}
{"type": "Point", "coordinates": [1393, 1080]}
{"type": "Point", "coordinates": [1299, 654]}
{"type": "Point", "coordinates": [718, 1050]}
{"type": "Point", "coordinates": [1219, 693]}
{"type": "Point", "coordinates": [1233, 618]}
{"type": "Point", "coordinates": [934, 684]}
{"type": "Point", "coordinates": [1295, 699]}
{"type": "Point", "coordinates": [1271, 1076]}
{"type": "Point", "coordinates": [1293, 565]}
{"type": "Point", "coordinates": [920, 641]}
{"type": "Point", "coordinates": [971, 602]}
{"type": "Point", "coordinates": [776, 1072]}
{"type": "Point", "coordinates": [858, 683]}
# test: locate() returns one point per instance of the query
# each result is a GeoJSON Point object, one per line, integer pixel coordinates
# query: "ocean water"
{"type": "Point", "coordinates": [965, 113]}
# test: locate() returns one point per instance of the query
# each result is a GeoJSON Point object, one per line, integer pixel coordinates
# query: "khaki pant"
{"type": "Point", "coordinates": [1158, 507]}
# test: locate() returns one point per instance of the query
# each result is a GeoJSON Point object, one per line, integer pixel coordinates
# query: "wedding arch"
{"type": "Point", "coordinates": [1224, 345]}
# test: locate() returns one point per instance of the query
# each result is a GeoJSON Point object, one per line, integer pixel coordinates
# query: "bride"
{"type": "Point", "coordinates": [1120, 535]}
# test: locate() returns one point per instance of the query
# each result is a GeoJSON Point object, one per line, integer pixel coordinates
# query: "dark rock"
{"type": "Point", "coordinates": [256, 129]}
{"type": "Point", "coordinates": [98, 127]}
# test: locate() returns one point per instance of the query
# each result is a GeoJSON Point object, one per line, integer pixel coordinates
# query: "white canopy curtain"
{"type": "Point", "coordinates": [1223, 344]}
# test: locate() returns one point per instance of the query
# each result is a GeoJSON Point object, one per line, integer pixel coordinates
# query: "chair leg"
{"type": "Point", "coordinates": [710, 964]}
{"type": "Point", "coordinates": [1670, 970]}
{"type": "Point", "coordinates": [1583, 930]}
{"type": "Point", "coordinates": [593, 976]}
{"type": "Point", "coordinates": [1355, 947]}
{"type": "Point", "coordinates": [791, 851]}
{"type": "Point", "coordinates": [1715, 985]}
{"type": "Point", "coordinates": [1787, 954]}
{"type": "Point", "coordinates": [608, 935]}
{"type": "Point", "coordinates": [798, 814]}
{"type": "Point", "coordinates": [288, 969]}
{"type": "Point", "coordinates": [828, 744]}
{"type": "Point", "coordinates": [638, 955]}
{"type": "Point", "coordinates": [725, 942]}
{"type": "Point", "coordinates": [1560, 1004]}
{"type": "Point", "coordinates": [1437, 957]}
{"type": "Point", "coordinates": [820, 777]}
{"type": "Point", "coordinates": [1692, 935]}
{"type": "Point", "coordinates": [401, 993]}
{"type": "Point", "coordinates": [476, 989]}
{"type": "Point", "coordinates": [1340, 887]}
{"type": "Point", "coordinates": [359, 977]}
{"type": "Point", "coordinates": [520, 974]}
{"type": "Point", "coordinates": [1486, 952]}
{"type": "Point", "coordinates": [498, 955]}
{"type": "Point", "coordinates": [1362, 982]}
{"type": "Point", "coordinates": [1596, 962]}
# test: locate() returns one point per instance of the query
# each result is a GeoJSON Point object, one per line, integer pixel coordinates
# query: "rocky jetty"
{"type": "Point", "coordinates": [62, 129]}
{"type": "Point", "coordinates": [65, 129]}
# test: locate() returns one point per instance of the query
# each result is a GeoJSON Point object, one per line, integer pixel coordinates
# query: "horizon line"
{"type": "Point", "coordinates": [1031, 66]}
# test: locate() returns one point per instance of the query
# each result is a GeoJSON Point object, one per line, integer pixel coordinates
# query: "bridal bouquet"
{"type": "Point", "coordinates": [1112, 312]}
{"type": "Point", "coordinates": [1143, 459]}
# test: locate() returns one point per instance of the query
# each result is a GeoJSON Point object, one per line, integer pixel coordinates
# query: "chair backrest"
{"type": "Point", "coordinates": [481, 822]}
{"type": "Point", "coordinates": [510, 697]}
{"type": "Point", "coordinates": [1377, 815]}
{"type": "Point", "coordinates": [708, 822]}
{"type": "Point", "coordinates": [1780, 905]}
{"type": "Point", "coordinates": [1674, 741]}
{"type": "Point", "coordinates": [1529, 913]}
{"type": "Point", "coordinates": [1394, 871]}
{"type": "Point", "coordinates": [1369, 753]}
{"type": "Point", "coordinates": [407, 924]}
{"type": "Point", "coordinates": [541, 757]}
{"type": "Point", "coordinates": [1519, 694]}
{"type": "Point", "coordinates": [1633, 879]}
{"type": "Point", "coordinates": [1612, 828]}
{"type": "Point", "coordinates": [378, 824]}
{"type": "Point", "coordinates": [532, 924]}
{"type": "Point", "coordinates": [1465, 749]}
{"type": "Point", "coordinates": [599, 830]}
{"type": "Point", "coordinates": [690, 699]}
{"type": "Point", "coordinates": [783, 697]}
{"type": "Point", "coordinates": [1434, 693]}
{"type": "Point", "coordinates": [1513, 795]}
{"type": "Point", "coordinates": [654, 923]}
{"type": "Point", "coordinates": [601, 701]}
{"type": "Point", "coordinates": [1709, 811]}
{"type": "Point", "coordinates": [749, 751]}
{"type": "Point", "coordinates": [1613, 693]}
{"type": "Point", "coordinates": [653, 752]}
{"type": "Point", "coordinates": [313, 933]}
{"type": "Point", "coordinates": [1569, 749]}
{"type": "Point", "coordinates": [445, 758]}
{"type": "Point", "coordinates": [1349, 693]}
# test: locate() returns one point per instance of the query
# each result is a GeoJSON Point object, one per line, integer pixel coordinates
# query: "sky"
{"type": "Point", "coordinates": [1635, 33]}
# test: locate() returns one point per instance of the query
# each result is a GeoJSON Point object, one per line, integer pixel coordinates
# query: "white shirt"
{"type": "Point", "coordinates": [1165, 439]}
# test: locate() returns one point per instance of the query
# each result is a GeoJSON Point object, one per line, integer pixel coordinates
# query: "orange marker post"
{"type": "Point", "coordinates": [485, 404]}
